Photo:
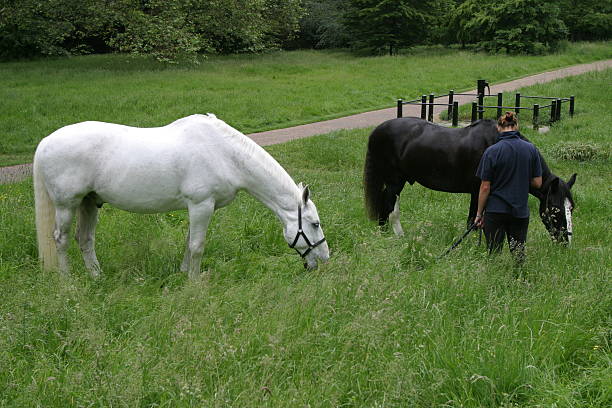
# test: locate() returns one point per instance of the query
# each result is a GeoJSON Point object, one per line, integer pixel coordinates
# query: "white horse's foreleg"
{"type": "Point", "coordinates": [187, 256]}
{"type": "Point", "coordinates": [394, 218]}
{"type": "Point", "coordinates": [199, 218]}
{"type": "Point", "coordinates": [63, 222]}
{"type": "Point", "coordinates": [87, 219]}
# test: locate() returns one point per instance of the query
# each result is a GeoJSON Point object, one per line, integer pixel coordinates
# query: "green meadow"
{"type": "Point", "coordinates": [252, 93]}
{"type": "Point", "coordinates": [384, 323]}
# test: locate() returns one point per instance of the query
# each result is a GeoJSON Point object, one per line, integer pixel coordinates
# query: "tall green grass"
{"type": "Point", "coordinates": [252, 93]}
{"type": "Point", "coordinates": [383, 324]}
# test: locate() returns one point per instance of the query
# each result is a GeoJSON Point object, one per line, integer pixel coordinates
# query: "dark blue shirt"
{"type": "Point", "coordinates": [509, 165]}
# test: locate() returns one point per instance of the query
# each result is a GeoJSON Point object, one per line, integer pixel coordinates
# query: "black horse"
{"type": "Point", "coordinates": [445, 159]}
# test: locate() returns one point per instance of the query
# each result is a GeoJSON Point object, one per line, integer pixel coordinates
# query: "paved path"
{"type": "Point", "coordinates": [376, 117]}
{"type": "Point", "coordinates": [367, 119]}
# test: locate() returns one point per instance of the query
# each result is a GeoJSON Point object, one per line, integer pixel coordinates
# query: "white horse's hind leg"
{"type": "Point", "coordinates": [199, 218]}
{"type": "Point", "coordinates": [85, 235]}
{"type": "Point", "coordinates": [63, 222]}
{"type": "Point", "coordinates": [187, 256]}
{"type": "Point", "coordinates": [394, 218]}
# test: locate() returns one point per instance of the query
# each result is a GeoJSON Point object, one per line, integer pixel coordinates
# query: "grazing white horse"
{"type": "Point", "coordinates": [198, 163]}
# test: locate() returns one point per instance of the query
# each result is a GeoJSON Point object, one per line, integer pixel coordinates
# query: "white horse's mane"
{"type": "Point", "coordinates": [247, 147]}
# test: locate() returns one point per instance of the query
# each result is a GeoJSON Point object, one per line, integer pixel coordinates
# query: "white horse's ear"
{"type": "Point", "coordinates": [305, 194]}
{"type": "Point", "coordinates": [572, 180]}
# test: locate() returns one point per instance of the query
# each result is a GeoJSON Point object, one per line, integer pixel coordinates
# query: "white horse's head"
{"type": "Point", "coordinates": [304, 234]}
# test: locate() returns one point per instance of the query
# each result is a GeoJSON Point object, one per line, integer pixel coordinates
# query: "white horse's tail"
{"type": "Point", "coordinates": [45, 222]}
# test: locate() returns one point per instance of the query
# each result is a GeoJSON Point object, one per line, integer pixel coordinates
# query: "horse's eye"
{"type": "Point", "coordinates": [316, 224]}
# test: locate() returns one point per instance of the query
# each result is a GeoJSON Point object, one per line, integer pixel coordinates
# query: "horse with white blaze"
{"type": "Point", "coordinates": [198, 163]}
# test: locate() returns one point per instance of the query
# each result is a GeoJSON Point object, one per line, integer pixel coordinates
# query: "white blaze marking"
{"type": "Point", "coordinates": [568, 219]}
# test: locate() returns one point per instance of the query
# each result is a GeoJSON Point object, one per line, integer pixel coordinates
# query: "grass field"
{"type": "Point", "coordinates": [382, 324]}
{"type": "Point", "coordinates": [252, 93]}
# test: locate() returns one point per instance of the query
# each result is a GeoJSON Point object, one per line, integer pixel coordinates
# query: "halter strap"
{"type": "Point", "coordinates": [300, 233]}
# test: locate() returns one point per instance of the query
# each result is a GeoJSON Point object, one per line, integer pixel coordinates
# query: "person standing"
{"type": "Point", "coordinates": [507, 169]}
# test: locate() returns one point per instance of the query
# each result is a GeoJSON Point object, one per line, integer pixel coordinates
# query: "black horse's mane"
{"type": "Point", "coordinates": [481, 122]}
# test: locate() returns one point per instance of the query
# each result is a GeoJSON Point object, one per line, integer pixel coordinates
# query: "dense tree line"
{"type": "Point", "coordinates": [174, 29]}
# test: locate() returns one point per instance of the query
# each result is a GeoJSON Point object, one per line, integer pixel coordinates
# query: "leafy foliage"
{"type": "Point", "coordinates": [587, 19]}
{"type": "Point", "coordinates": [168, 30]}
{"type": "Point", "coordinates": [512, 26]}
{"type": "Point", "coordinates": [50, 27]}
{"type": "Point", "coordinates": [160, 29]}
{"type": "Point", "coordinates": [377, 25]}
{"type": "Point", "coordinates": [322, 25]}
{"type": "Point", "coordinates": [183, 29]}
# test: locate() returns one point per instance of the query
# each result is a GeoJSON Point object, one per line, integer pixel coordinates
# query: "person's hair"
{"type": "Point", "coordinates": [510, 119]}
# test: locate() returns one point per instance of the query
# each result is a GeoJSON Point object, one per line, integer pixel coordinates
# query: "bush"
{"type": "Point", "coordinates": [578, 151]}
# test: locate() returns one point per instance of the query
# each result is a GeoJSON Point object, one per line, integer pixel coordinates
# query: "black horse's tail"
{"type": "Point", "coordinates": [373, 185]}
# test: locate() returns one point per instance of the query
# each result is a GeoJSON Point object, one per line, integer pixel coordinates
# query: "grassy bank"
{"type": "Point", "coordinates": [252, 93]}
{"type": "Point", "coordinates": [384, 323]}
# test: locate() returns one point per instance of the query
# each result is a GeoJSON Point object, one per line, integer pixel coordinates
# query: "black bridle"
{"type": "Point", "coordinates": [300, 233]}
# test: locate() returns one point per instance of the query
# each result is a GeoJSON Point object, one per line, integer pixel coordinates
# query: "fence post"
{"type": "Point", "coordinates": [455, 113]}
{"type": "Point", "coordinates": [480, 85]}
{"type": "Point", "coordinates": [431, 107]}
{"type": "Point", "coordinates": [558, 113]}
{"type": "Point", "coordinates": [480, 105]}
{"type": "Point", "coordinates": [517, 102]}
{"type": "Point", "coordinates": [571, 107]}
{"type": "Point", "coordinates": [474, 109]}
{"type": "Point", "coordinates": [423, 106]}
{"type": "Point", "coordinates": [500, 103]}
{"type": "Point", "coordinates": [399, 108]}
{"type": "Point", "coordinates": [451, 96]}
{"type": "Point", "coordinates": [553, 111]}
{"type": "Point", "coordinates": [536, 116]}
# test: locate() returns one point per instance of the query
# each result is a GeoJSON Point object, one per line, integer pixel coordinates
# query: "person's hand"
{"type": "Point", "coordinates": [479, 221]}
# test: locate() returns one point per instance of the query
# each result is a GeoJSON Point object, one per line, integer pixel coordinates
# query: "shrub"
{"type": "Point", "coordinates": [578, 151]}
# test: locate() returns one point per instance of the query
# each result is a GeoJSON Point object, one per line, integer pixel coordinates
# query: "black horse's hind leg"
{"type": "Point", "coordinates": [392, 190]}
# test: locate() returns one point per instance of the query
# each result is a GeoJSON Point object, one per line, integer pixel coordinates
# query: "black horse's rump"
{"type": "Point", "coordinates": [439, 158]}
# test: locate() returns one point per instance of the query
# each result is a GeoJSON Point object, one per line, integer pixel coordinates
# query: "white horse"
{"type": "Point", "coordinates": [198, 163]}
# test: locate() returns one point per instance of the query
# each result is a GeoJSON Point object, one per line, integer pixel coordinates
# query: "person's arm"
{"type": "Point", "coordinates": [483, 196]}
{"type": "Point", "coordinates": [536, 182]}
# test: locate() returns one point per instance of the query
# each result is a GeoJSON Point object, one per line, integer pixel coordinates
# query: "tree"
{"type": "Point", "coordinates": [512, 26]}
{"type": "Point", "coordinates": [322, 24]}
{"type": "Point", "coordinates": [587, 19]}
{"type": "Point", "coordinates": [50, 27]}
{"type": "Point", "coordinates": [378, 25]}
{"type": "Point", "coordinates": [158, 28]}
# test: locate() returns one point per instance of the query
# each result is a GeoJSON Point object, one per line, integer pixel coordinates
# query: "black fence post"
{"type": "Point", "coordinates": [571, 107]}
{"type": "Point", "coordinates": [536, 116]}
{"type": "Point", "coordinates": [558, 113]}
{"type": "Point", "coordinates": [400, 103]}
{"type": "Point", "coordinates": [500, 103]}
{"type": "Point", "coordinates": [451, 106]}
{"type": "Point", "coordinates": [517, 102]}
{"type": "Point", "coordinates": [553, 111]}
{"type": "Point", "coordinates": [474, 110]}
{"type": "Point", "coordinates": [480, 105]}
{"type": "Point", "coordinates": [455, 113]}
{"type": "Point", "coordinates": [431, 107]}
{"type": "Point", "coordinates": [480, 85]}
{"type": "Point", "coordinates": [423, 106]}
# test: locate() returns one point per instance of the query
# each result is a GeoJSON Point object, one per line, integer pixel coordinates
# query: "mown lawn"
{"type": "Point", "coordinates": [252, 93]}
{"type": "Point", "coordinates": [383, 324]}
